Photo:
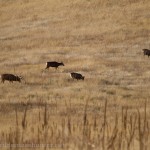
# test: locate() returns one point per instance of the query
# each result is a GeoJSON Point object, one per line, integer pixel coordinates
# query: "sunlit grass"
{"type": "Point", "coordinates": [101, 40]}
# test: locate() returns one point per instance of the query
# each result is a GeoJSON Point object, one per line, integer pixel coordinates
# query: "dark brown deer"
{"type": "Point", "coordinates": [54, 64]}
{"type": "Point", "coordinates": [77, 76]}
{"type": "Point", "coordinates": [10, 78]}
{"type": "Point", "coordinates": [146, 52]}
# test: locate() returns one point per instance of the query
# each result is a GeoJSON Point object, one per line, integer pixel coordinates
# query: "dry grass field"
{"type": "Point", "coordinates": [102, 40]}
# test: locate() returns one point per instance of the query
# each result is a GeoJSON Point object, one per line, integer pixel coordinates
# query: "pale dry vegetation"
{"type": "Point", "coordinates": [103, 41]}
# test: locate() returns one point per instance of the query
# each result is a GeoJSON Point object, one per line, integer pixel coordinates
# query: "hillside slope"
{"type": "Point", "coordinates": [102, 40]}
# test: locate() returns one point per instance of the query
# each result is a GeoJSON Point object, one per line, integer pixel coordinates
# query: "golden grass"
{"type": "Point", "coordinates": [103, 41]}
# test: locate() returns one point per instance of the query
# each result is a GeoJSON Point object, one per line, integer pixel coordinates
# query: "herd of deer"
{"type": "Point", "coordinates": [74, 75]}
{"type": "Point", "coordinates": [12, 77]}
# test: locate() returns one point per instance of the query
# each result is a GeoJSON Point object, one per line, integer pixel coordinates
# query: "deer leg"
{"type": "Point", "coordinates": [46, 67]}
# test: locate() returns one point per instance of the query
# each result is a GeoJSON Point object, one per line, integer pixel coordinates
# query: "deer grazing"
{"type": "Point", "coordinates": [77, 76]}
{"type": "Point", "coordinates": [146, 52]}
{"type": "Point", "coordinates": [10, 78]}
{"type": "Point", "coordinates": [54, 64]}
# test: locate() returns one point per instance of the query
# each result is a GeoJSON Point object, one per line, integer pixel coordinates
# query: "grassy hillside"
{"type": "Point", "coordinates": [103, 41]}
